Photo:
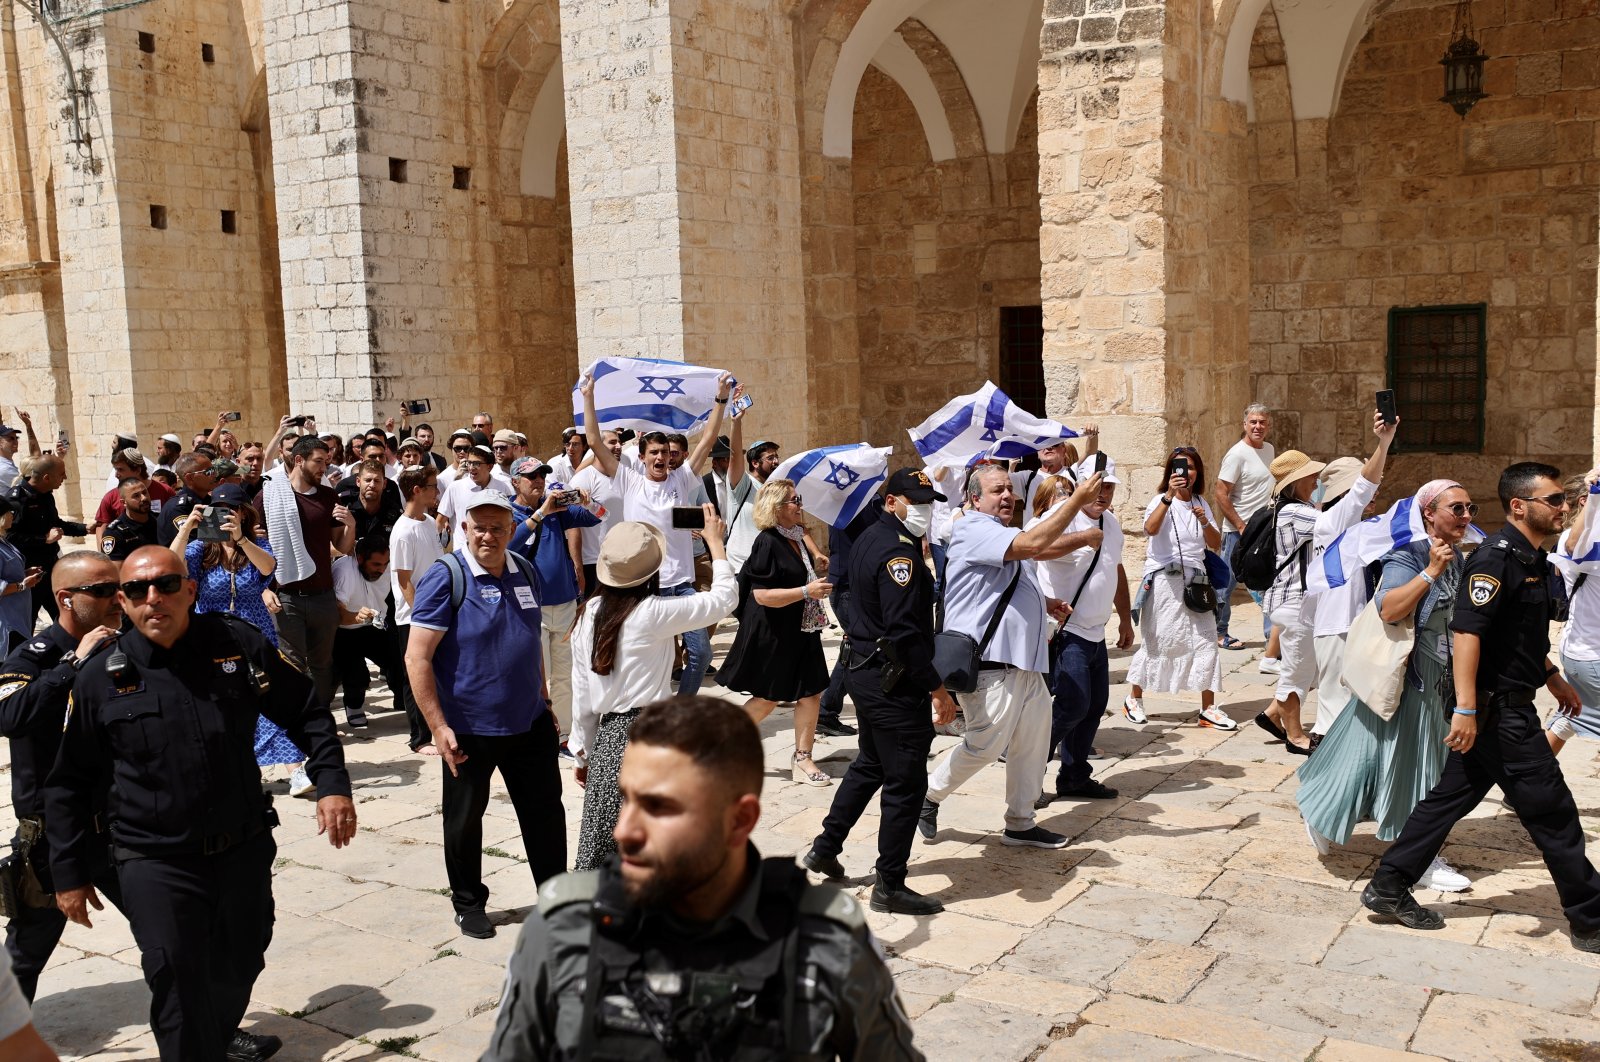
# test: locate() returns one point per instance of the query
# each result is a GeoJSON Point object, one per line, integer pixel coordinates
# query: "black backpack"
{"type": "Point", "coordinates": [1255, 557]}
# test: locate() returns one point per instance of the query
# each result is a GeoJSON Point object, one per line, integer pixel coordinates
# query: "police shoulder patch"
{"type": "Point", "coordinates": [107, 545]}
{"type": "Point", "coordinates": [579, 886]}
{"type": "Point", "coordinates": [899, 569]}
{"type": "Point", "coordinates": [833, 903]}
{"type": "Point", "coordinates": [8, 688]}
{"type": "Point", "coordinates": [1481, 589]}
{"type": "Point", "coordinates": [287, 659]}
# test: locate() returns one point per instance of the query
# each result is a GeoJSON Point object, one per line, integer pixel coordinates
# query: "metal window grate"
{"type": "Point", "coordinates": [1022, 356]}
{"type": "Point", "coordinates": [1437, 368]}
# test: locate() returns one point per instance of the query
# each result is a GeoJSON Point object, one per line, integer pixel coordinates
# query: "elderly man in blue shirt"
{"type": "Point", "coordinates": [477, 677]}
{"type": "Point", "coordinates": [549, 534]}
{"type": "Point", "coordinates": [1009, 713]}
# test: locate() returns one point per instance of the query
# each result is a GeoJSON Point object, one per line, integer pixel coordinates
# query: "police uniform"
{"type": "Point", "coordinates": [36, 517]}
{"type": "Point", "coordinates": [35, 682]}
{"type": "Point", "coordinates": [789, 972]}
{"type": "Point", "coordinates": [124, 535]}
{"type": "Point", "coordinates": [890, 678]}
{"type": "Point", "coordinates": [1505, 600]}
{"type": "Point", "coordinates": [165, 739]}
{"type": "Point", "coordinates": [174, 513]}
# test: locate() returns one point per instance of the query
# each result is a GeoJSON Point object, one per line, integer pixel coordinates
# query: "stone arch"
{"type": "Point", "coordinates": [522, 56]}
{"type": "Point", "coordinates": [1306, 26]}
{"type": "Point", "coordinates": [956, 107]}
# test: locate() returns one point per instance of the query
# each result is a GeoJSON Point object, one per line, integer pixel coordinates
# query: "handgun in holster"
{"type": "Point", "coordinates": [20, 886]}
{"type": "Point", "coordinates": [893, 668]}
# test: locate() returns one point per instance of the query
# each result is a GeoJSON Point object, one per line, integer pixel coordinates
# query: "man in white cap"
{"type": "Point", "coordinates": [168, 450]}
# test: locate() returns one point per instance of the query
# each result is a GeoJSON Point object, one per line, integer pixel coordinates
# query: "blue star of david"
{"type": "Point", "coordinates": [988, 436]}
{"type": "Point", "coordinates": [841, 476]}
{"type": "Point", "coordinates": [661, 386]}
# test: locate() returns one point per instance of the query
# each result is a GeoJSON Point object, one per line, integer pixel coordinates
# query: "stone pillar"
{"type": "Point", "coordinates": [683, 156]}
{"type": "Point", "coordinates": [1144, 260]}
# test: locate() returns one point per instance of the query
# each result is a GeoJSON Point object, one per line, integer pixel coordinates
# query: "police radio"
{"type": "Point", "coordinates": [120, 668]}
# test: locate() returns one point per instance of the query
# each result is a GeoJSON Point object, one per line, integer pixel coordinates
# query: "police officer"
{"type": "Point", "coordinates": [840, 542]}
{"type": "Point", "coordinates": [135, 527]}
{"type": "Point", "coordinates": [159, 744]}
{"type": "Point", "coordinates": [890, 680]}
{"type": "Point", "coordinates": [196, 478]}
{"type": "Point", "coordinates": [39, 528]}
{"type": "Point", "coordinates": [1502, 656]}
{"type": "Point", "coordinates": [690, 946]}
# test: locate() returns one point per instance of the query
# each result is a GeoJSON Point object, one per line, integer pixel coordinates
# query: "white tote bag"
{"type": "Point", "coordinates": [1375, 655]}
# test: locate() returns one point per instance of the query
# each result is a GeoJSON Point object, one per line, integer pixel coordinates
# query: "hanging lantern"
{"type": "Point", "coordinates": [1463, 64]}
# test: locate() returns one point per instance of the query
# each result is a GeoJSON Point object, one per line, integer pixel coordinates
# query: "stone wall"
{"type": "Point", "coordinates": [1396, 202]}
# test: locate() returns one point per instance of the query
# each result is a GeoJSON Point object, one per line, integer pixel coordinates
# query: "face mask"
{"type": "Point", "coordinates": [1317, 495]}
{"type": "Point", "coordinates": [917, 519]}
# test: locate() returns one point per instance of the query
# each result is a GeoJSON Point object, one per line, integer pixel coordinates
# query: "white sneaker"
{"type": "Point", "coordinates": [1268, 665]}
{"type": "Point", "coordinates": [1319, 842]}
{"type": "Point", "coordinates": [300, 783]}
{"type": "Point", "coordinates": [1133, 708]}
{"type": "Point", "coordinates": [1216, 717]}
{"type": "Point", "coordinates": [1442, 877]}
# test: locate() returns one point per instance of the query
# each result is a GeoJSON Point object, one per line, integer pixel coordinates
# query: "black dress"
{"type": "Point", "coordinates": [771, 657]}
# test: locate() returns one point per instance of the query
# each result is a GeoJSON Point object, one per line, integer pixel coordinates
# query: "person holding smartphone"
{"type": "Point", "coordinates": [1178, 651]}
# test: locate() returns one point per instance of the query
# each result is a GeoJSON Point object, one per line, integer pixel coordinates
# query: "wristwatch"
{"type": "Point", "coordinates": [70, 658]}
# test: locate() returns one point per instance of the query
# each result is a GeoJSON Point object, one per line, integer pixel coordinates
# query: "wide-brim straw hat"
{"type": "Point", "coordinates": [630, 554]}
{"type": "Point", "coordinates": [1292, 466]}
{"type": "Point", "coordinates": [1340, 475]}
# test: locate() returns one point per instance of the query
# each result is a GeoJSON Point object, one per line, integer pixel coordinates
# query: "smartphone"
{"type": "Point", "coordinates": [1386, 407]}
{"type": "Point", "coordinates": [61, 438]}
{"type": "Point", "coordinates": [234, 416]}
{"type": "Point", "coordinates": [415, 406]}
{"type": "Point", "coordinates": [210, 529]}
{"type": "Point", "coordinates": [571, 497]}
{"type": "Point", "coordinates": [299, 421]}
{"type": "Point", "coordinates": [740, 404]}
{"type": "Point", "coordinates": [688, 518]}
{"type": "Point", "coordinates": [1100, 461]}
{"type": "Point", "coordinates": [1180, 465]}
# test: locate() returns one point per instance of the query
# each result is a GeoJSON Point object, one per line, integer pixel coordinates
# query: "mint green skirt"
{"type": "Point", "coordinates": [1367, 768]}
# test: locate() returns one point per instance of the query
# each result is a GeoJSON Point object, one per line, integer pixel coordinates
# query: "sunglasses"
{"type": "Point", "coordinates": [137, 589]}
{"type": "Point", "coordinates": [1460, 509]}
{"type": "Point", "coordinates": [796, 501]}
{"type": "Point", "coordinates": [502, 446]}
{"type": "Point", "coordinates": [99, 591]}
{"type": "Point", "coordinates": [460, 449]}
{"type": "Point", "coordinates": [1555, 501]}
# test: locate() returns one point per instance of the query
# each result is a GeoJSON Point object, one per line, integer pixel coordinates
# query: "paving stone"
{"type": "Point", "coordinates": [1442, 964]}
{"type": "Point", "coordinates": [1144, 914]}
{"type": "Point", "coordinates": [307, 890]}
{"type": "Point", "coordinates": [961, 1032]}
{"type": "Point", "coordinates": [423, 1000]}
{"type": "Point", "coordinates": [923, 987]}
{"type": "Point", "coordinates": [1164, 971]}
{"type": "Point", "coordinates": [462, 1042]}
{"type": "Point", "coordinates": [1534, 935]}
{"type": "Point", "coordinates": [1171, 876]}
{"type": "Point", "coordinates": [1067, 952]}
{"type": "Point", "coordinates": [972, 885]}
{"type": "Point", "coordinates": [1051, 999]}
{"type": "Point", "coordinates": [1475, 1029]}
{"type": "Point", "coordinates": [950, 939]}
{"type": "Point", "coordinates": [1203, 1028]}
{"type": "Point", "coordinates": [1333, 1050]}
{"type": "Point", "coordinates": [1330, 898]}
{"type": "Point", "coordinates": [1312, 1000]}
{"type": "Point", "coordinates": [303, 1041]}
{"type": "Point", "coordinates": [110, 934]}
{"type": "Point", "coordinates": [1267, 934]}
{"type": "Point", "coordinates": [301, 944]}
{"type": "Point", "coordinates": [424, 918]}
{"type": "Point", "coordinates": [89, 1004]}
{"type": "Point", "coordinates": [1117, 1045]}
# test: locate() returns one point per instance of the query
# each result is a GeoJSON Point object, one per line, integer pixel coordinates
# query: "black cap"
{"type": "Point", "coordinates": [722, 447]}
{"type": "Point", "coordinates": [913, 485]}
{"type": "Point", "coordinates": [229, 494]}
{"type": "Point", "coordinates": [480, 439]}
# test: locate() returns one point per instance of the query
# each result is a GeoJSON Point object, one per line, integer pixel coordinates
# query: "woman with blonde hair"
{"type": "Point", "coordinates": [777, 654]}
{"type": "Point", "coordinates": [1580, 635]}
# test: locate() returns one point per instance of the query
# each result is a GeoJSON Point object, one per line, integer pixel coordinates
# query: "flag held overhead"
{"type": "Point", "coordinates": [985, 423]}
{"type": "Point", "coordinates": [649, 394]}
{"type": "Point", "coordinates": [837, 482]}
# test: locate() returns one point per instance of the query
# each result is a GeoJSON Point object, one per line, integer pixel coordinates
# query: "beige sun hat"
{"type": "Point", "coordinates": [1292, 466]}
{"type": "Point", "coordinates": [630, 554]}
{"type": "Point", "coordinates": [1340, 475]}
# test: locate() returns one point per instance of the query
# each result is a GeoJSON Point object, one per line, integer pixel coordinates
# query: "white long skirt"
{"type": "Point", "coordinates": [1178, 648]}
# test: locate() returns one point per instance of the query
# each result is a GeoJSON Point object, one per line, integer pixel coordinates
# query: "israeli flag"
{"type": "Point", "coordinates": [649, 394]}
{"type": "Point", "coordinates": [984, 424]}
{"type": "Point", "coordinates": [1577, 552]}
{"type": "Point", "coordinates": [837, 482]}
{"type": "Point", "coordinates": [1348, 555]}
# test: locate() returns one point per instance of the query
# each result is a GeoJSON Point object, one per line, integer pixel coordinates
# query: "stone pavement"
{"type": "Point", "coordinates": [1188, 919]}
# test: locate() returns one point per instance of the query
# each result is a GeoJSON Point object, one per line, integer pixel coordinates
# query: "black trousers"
{"type": "Point", "coordinates": [45, 598]}
{"type": "Point", "coordinates": [32, 936]}
{"type": "Point", "coordinates": [352, 648]}
{"type": "Point", "coordinates": [833, 696]}
{"type": "Point", "coordinates": [420, 734]}
{"type": "Point", "coordinates": [203, 924]}
{"type": "Point", "coordinates": [895, 734]}
{"type": "Point", "coordinates": [1511, 752]}
{"type": "Point", "coordinates": [527, 766]}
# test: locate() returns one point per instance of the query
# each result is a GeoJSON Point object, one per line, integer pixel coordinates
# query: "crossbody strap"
{"type": "Point", "coordinates": [1000, 610]}
{"type": "Point", "coordinates": [1073, 604]}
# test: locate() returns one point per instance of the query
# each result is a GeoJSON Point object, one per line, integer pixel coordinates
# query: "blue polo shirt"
{"type": "Point", "coordinates": [487, 667]}
{"type": "Point", "coordinates": [558, 582]}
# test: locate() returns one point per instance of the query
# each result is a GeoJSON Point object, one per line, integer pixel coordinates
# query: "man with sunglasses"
{"type": "Point", "coordinates": [477, 476]}
{"type": "Point", "coordinates": [159, 745]}
{"type": "Point", "coordinates": [39, 528]}
{"type": "Point", "coordinates": [194, 471]}
{"type": "Point", "coordinates": [1501, 657]}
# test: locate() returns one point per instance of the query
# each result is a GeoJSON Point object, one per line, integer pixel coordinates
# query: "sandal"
{"type": "Point", "coordinates": [1230, 643]}
{"type": "Point", "coordinates": [811, 777]}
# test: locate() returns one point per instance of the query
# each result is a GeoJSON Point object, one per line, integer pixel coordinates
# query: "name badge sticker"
{"type": "Point", "coordinates": [525, 596]}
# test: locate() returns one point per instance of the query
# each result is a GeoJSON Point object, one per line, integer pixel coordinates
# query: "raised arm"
{"type": "Point", "coordinates": [604, 459]}
{"type": "Point", "coordinates": [708, 438]}
{"type": "Point", "coordinates": [1043, 534]}
{"type": "Point", "coordinates": [1372, 471]}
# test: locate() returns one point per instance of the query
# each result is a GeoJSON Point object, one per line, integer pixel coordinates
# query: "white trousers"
{"type": "Point", "coordinates": [1332, 693]}
{"type": "Point", "coordinates": [556, 623]}
{"type": "Point", "coordinates": [1297, 661]}
{"type": "Point", "coordinates": [1008, 714]}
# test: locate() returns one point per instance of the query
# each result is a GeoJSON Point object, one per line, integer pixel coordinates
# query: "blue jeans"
{"type": "Point", "coordinates": [1230, 539]}
{"type": "Point", "coordinates": [1082, 689]}
{"type": "Point", "coordinates": [696, 646]}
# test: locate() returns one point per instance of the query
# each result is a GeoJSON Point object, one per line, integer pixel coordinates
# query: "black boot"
{"type": "Point", "coordinates": [827, 866]}
{"type": "Point", "coordinates": [895, 898]}
{"type": "Point", "coordinates": [1387, 895]}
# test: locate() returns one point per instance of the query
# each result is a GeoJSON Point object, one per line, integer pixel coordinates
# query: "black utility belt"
{"type": "Point", "coordinates": [215, 844]}
{"type": "Point", "coordinates": [1505, 699]}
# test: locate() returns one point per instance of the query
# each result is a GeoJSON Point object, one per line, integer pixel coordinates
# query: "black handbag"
{"type": "Point", "coordinates": [1198, 593]}
{"type": "Point", "coordinates": [957, 658]}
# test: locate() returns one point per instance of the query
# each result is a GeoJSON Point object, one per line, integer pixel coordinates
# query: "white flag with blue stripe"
{"type": "Point", "coordinates": [986, 423]}
{"type": "Point", "coordinates": [836, 482]}
{"type": "Point", "coordinates": [1577, 552]}
{"type": "Point", "coordinates": [649, 394]}
{"type": "Point", "coordinates": [1347, 556]}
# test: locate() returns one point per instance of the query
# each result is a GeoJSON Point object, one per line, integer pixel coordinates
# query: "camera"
{"type": "Point", "coordinates": [299, 421]}
{"type": "Point", "coordinates": [211, 518]}
{"type": "Point", "coordinates": [415, 406]}
{"type": "Point", "coordinates": [567, 497]}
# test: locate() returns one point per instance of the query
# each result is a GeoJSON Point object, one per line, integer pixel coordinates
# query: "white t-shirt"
{"type": "Point", "coordinates": [1580, 635]}
{"type": "Point", "coordinates": [413, 546]}
{"type": "Point", "coordinates": [1026, 487]}
{"type": "Point", "coordinates": [1062, 577]}
{"type": "Point", "coordinates": [561, 470]}
{"type": "Point", "coordinates": [603, 503]}
{"type": "Point", "coordinates": [742, 531]}
{"type": "Point", "coordinates": [1332, 611]}
{"type": "Point", "coordinates": [950, 482]}
{"type": "Point", "coordinates": [454, 503]}
{"type": "Point", "coordinates": [1180, 530]}
{"type": "Point", "coordinates": [356, 592]}
{"type": "Point", "coordinates": [1249, 470]}
{"type": "Point", "coordinates": [9, 473]}
{"type": "Point", "coordinates": [642, 498]}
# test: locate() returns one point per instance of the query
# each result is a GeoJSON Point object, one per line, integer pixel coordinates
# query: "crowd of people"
{"type": "Point", "coordinates": [530, 615]}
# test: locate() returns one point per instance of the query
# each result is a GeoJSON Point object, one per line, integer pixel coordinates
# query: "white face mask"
{"type": "Point", "coordinates": [917, 519]}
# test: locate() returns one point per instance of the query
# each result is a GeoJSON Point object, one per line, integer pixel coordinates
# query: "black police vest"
{"type": "Point", "coordinates": [746, 1011]}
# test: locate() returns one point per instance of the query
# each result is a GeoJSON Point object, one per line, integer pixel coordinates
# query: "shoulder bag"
{"type": "Point", "coordinates": [1375, 655]}
{"type": "Point", "coordinates": [957, 658]}
{"type": "Point", "coordinates": [1198, 593]}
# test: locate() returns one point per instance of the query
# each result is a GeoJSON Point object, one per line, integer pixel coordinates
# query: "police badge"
{"type": "Point", "coordinates": [900, 570]}
{"type": "Point", "coordinates": [1481, 589]}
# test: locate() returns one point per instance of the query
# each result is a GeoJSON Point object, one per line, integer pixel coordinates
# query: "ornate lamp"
{"type": "Point", "coordinates": [1463, 63]}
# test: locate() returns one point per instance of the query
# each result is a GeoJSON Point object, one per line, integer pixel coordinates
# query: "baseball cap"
{"type": "Point", "coordinates": [6, 429]}
{"type": "Point", "coordinates": [229, 494]}
{"type": "Point", "coordinates": [753, 451]}
{"type": "Point", "coordinates": [485, 499]}
{"type": "Point", "coordinates": [913, 485]}
{"type": "Point", "coordinates": [530, 468]}
{"type": "Point", "coordinates": [505, 435]}
{"type": "Point", "coordinates": [224, 467]}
